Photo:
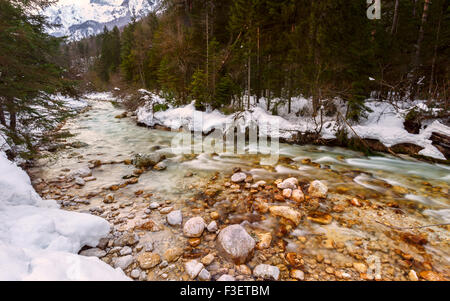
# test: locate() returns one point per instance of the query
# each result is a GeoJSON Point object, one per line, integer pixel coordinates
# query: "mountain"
{"type": "Point", "coordinates": [84, 18]}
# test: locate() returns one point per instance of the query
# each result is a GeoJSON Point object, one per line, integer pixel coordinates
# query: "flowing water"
{"type": "Point", "coordinates": [424, 187]}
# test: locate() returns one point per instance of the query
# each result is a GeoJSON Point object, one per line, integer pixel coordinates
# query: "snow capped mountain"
{"type": "Point", "coordinates": [83, 18]}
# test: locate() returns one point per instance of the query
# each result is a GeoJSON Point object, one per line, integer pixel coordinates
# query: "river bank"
{"type": "Point", "coordinates": [167, 211]}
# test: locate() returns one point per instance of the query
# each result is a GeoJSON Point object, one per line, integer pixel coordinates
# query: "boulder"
{"type": "Point", "coordinates": [236, 244]}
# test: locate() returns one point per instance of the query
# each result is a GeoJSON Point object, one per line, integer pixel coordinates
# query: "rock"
{"type": "Point", "coordinates": [258, 184]}
{"type": "Point", "coordinates": [235, 243]}
{"type": "Point", "coordinates": [175, 218]}
{"type": "Point", "coordinates": [103, 243]}
{"type": "Point", "coordinates": [297, 274]}
{"type": "Point", "coordinates": [290, 183]}
{"type": "Point", "coordinates": [194, 242]}
{"type": "Point", "coordinates": [264, 241]}
{"type": "Point", "coordinates": [194, 227]}
{"type": "Point", "coordinates": [94, 252]}
{"type": "Point", "coordinates": [208, 259]}
{"type": "Point", "coordinates": [204, 275]}
{"type": "Point", "coordinates": [135, 274]}
{"type": "Point", "coordinates": [82, 172]}
{"type": "Point", "coordinates": [172, 255]}
{"type": "Point", "coordinates": [318, 190]}
{"type": "Point", "coordinates": [320, 217]}
{"type": "Point", "coordinates": [128, 239]}
{"type": "Point", "coordinates": [287, 193]}
{"type": "Point", "coordinates": [80, 181]}
{"type": "Point", "coordinates": [244, 270]}
{"type": "Point", "coordinates": [214, 215]}
{"type": "Point", "coordinates": [226, 278]}
{"type": "Point", "coordinates": [360, 267]}
{"type": "Point", "coordinates": [123, 262]}
{"type": "Point", "coordinates": [212, 227]}
{"type": "Point", "coordinates": [297, 195]}
{"type": "Point", "coordinates": [154, 205]}
{"type": "Point", "coordinates": [148, 260]}
{"type": "Point", "coordinates": [160, 166]}
{"type": "Point", "coordinates": [412, 275]}
{"type": "Point", "coordinates": [287, 213]}
{"type": "Point", "coordinates": [109, 199]}
{"type": "Point", "coordinates": [432, 276]}
{"type": "Point", "coordinates": [238, 177]}
{"type": "Point", "coordinates": [193, 268]}
{"type": "Point", "coordinates": [166, 210]}
{"type": "Point", "coordinates": [126, 251]}
{"type": "Point", "coordinates": [146, 161]}
{"type": "Point", "coordinates": [266, 271]}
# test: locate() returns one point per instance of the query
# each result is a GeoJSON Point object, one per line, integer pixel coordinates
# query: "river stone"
{"type": "Point", "coordinates": [160, 166]}
{"type": "Point", "coordinates": [80, 181]}
{"type": "Point", "coordinates": [235, 243]}
{"type": "Point", "coordinates": [204, 275]}
{"type": "Point", "coordinates": [94, 252]}
{"type": "Point", "coordinates": [297, 274]}
{"type": "Point", "coordinates": [212, 227]}
{"type": "Point", "coordinates": [174, 218]}
{"type": "Point", "coordinates": [172, 255]}
{"type": "Point", "coordinates": [287, 193]}
{"type": "Point", "coordinates": [266, 271]}
{"type": "Point", "coordinates": [226, 278]}
{"type": "Point", "coordinates": [194, 227]}
{"type": "Point", "coordinates": [166, 210]}
{"type": "Point", "coordinates": [135, 274]}
{"type": "Point", "coordinates": [82, 172]}
{"type": "Point", "coordinates": [287, 213]}
{"type": "Point", "coordinates": [154, 205]}
{"type": "Point", "coordinates": [126, 251]}
{"type": "Point", "coordinates": [148, 260]}
{"type": "Point", "coordinates": [297, 195]}
{"type": "Point", "coordinates": [128, 239]}
{"type": "Point", "coordinates": [148, 160]}
{"type": "Point", "coordinates": [123, 262]}
{"type": "Point", "coordinates": [318, 189]}
{"type": "Point", "coordinates": [193, 268]}
{"type": "Point", "coordinates": [238, 177]}
{"type": "Point", "coordinates": [290, 183]}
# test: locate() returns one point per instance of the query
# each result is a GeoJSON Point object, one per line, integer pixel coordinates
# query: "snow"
{"type": "Point", "coordinates": [384, 123]}
{"type": "Point", "coordinates": [38, 241]}
{"type": "Point", "coordinates": [103, 96]}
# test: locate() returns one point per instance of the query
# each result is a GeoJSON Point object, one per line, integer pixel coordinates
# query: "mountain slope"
{"type": "Point", "coordinates": [83, 18]}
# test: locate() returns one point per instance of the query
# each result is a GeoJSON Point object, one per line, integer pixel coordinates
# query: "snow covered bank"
{"type": "Point", "coordinates": [38, 241]}
{"type": "Point", "coordinates": [384, 123]}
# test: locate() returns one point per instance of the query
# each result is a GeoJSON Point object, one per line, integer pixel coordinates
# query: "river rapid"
{"type": "Point", "coordinates": [367, 198]}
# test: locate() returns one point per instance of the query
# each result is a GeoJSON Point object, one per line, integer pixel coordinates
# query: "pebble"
{"type": "Point", "coordinates": [171, 255]}
{"type": "Point", "coordinates": [175, 218]}
{"type": "Point", "coordinates": [128, 239]}
{"type": "Point", "coordinates": [238, 177]}
{"type": "Point", "coordinates": [412, 275]}
{"type": "Point", "coordinates": [148, 260]}
{"type": "Point", "coordinates": [94, 252]}
{"type": "Point", "coordinates": [208, 259]}
{"type": "Point", "coordinates": [204, 275]}
{"type": "Point", "coordinates": [80, 181]}
{"type": "Point", "coordinates": [166, 210]}
{"type": "Point", "coordinates": [226, 278]}
{"type": "Point", "coordinates": [125, 251]}
{"type": "Point", "coordinates": [154, 205]}
{"type": "Point", "coordinates": [287, 193]}
{"type": "Point", "coordinates": [212, 227]}
{"type": "Point", "coordinates": [194, 227]}
{"type": "Point", "coordinates": [290, 183]}
{"type": "Point", "coordinates": [123, 262]}
{"type": "Point", "coordinates": [266, 271]}
{"type": "Point", "coordinates": [297, 274]}
{"type": "Point", "coordinates": [360, 267]}
{"type": "Point", "coordinates": [193, 268]}
{"type": "Point", "coordinates": [297, 195]}
{"type": "Point", "coordinates": [135, 274]}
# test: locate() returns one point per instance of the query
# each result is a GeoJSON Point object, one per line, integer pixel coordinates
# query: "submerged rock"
{"type": "Point", "coordinates": [236, 244]}
{"type": "Point", "coordinates": [290, 183]}
{"type": "Point", "coordinates": [128, 239]}
{"type": "Point", "coordinates": [194, 227]}
{"type": "Point", "coordinates": [287, 213]}
{"type": "Point", "coordinates": [148, 160]}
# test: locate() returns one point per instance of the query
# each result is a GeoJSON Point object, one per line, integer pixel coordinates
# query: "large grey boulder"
{"type": "Point", "coordinates": [236, 244]}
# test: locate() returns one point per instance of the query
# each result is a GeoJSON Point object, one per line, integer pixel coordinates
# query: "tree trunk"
{"type": "Point", "coordinates": [258, 71]}
{"type": "Point", "coordinates": [395, 20]}
{"type": "Point", "coordinates": [249, 80]}
{"type": "Point", "coordinates": [2, 116]}
{"type": "Point", "coordinates": [433, 64]}
{"type": "Point", "coordinates": [207, 47]}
